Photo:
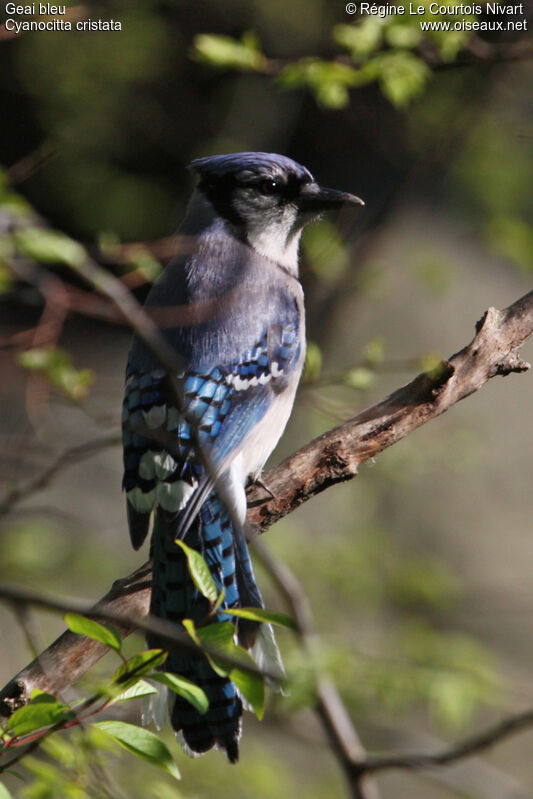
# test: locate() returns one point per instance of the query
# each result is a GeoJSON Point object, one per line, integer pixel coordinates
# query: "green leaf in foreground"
{"type": "Point", "coordinates": [227, 53]}
{"type": "Point", "coordinates": [135, 691]}
{"type": "Point", "coordinates": [264, 617]}
{"type": "Point", "coordinates": [185, 688]}
{"type": "Point", "coordinates": [252, 687]}
{"type": "Point", "coordinates": [140, 742]}
{"type": "Point", "coordinates": [139, 665]}
{"type": "Point", "coordinates": [220, 637]}
{"type": "Point", "coordinates": [200, 572]}
{"type": "Point", "coordinates": [55, 365]}
{"type": "Point", "coordinates": [43, 710]}
{"type": "Point", "coordinates": [4, 793]}
{"type": "Point", "coordinates": [49, 246]}
{"type": "Point", "coordinates": [93, 629]}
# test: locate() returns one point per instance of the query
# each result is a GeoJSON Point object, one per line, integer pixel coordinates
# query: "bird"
{"type": "Point", "coordinates": [232, 310]}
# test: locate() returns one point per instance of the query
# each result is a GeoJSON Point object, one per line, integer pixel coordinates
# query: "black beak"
{"type": "Point", "coordinates": [316, 198]}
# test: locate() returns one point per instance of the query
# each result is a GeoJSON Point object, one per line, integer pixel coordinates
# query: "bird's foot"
{"type": "Point", "coordinates": [257, 481]}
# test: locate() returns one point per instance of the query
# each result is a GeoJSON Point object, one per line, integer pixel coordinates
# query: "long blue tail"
{"type": "Point", "coordinates": [175, 597]}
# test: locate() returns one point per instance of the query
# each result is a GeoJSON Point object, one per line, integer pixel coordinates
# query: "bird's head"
{"type": "Point", "coordinates": [267, 199]}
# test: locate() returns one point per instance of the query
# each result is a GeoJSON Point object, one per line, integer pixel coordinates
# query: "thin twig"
{"type": "Point", "coordinates": [66, 659]}
{"type": "Point", "coordinates": [330, 708]}
{"type": "Point", "coordinates": [69, 456]}
{"type": "Point", "coordinates": [470, 746]}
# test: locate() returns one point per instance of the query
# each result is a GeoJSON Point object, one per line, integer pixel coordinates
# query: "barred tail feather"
{"type": "Point", "coordinates": [175, 597]}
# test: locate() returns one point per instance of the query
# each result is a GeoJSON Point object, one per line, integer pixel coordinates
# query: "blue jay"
{"type": "Point", "coordinates": [239, 337]}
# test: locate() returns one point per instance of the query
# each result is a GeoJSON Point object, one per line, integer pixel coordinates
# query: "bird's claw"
{"type": "Point", "coordinates": [259, 482]}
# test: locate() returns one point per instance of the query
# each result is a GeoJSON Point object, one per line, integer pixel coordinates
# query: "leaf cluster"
{"type": "Point", "coordinates": [389, 51]}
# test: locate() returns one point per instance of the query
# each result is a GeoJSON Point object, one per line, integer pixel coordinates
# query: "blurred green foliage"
{"type": "Point", "coordinates": [56, 366]}
{"type": "Point", "coordinates": [382, 49]}
{"type": "Point", "coordinates": [227, 53]}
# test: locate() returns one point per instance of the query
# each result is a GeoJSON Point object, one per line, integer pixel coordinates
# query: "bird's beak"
{"type": "Point", "coordinates": [314, 198]}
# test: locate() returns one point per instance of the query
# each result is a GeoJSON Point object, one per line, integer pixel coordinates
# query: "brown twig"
{"type": "Point", "coordinates": [65, 459]}
{"type": "Point", "coordinates": [330, 708]}
{"type": "Point", "coordinates": [335, 456]}
{"type": "Point", "coordinates": [478, 53]}
{"type": "Point", "coordinates": [470, 746]}
{"type": "Point", "coordinates": [125, 606]}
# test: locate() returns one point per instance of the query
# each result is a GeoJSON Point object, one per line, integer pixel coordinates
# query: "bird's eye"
{"type": "Point", "coordinates": [268, 186]}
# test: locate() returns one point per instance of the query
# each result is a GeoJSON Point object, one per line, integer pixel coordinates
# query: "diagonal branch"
{"type": "Point", "coordinates": [62, 461]}
{"type": "Point", "coordinates": [329, 459]}
{"type": "Point", "coordinates": [470, 746]}
{"type": "Point", "coordinates": [335, 456]}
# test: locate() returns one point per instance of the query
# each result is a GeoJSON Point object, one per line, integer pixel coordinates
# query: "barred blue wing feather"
{"type": "Point", "coordinates": [162, 467]}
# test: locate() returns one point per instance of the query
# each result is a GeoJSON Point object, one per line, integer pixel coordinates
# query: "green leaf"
{"type": "Point", "coordinates": [185, 688]}
{"type": "Point", "coordinates": [144, 262]}
{"type": "Point", "coordinates": [43, 710]}
{"type": "Point", "coordinates": [407, 36]}
{"type": "Point", "coordinates": [252, 687]}
{"type": "Point", "coordinates": [329, 80]}
{"type": "Point", "coordinates": [6, 277]}
{"type": "Point", "coordinates": [360, 378]}
{"type": "Point", "coordinates": [139, 665]}
{"type": "Point", "coordinates": [49, 246]}
{"type": "Point", "coordinates": [220, 599]}
{"type": "Point", "coordinates": [140, 742]}
{"type": "Point", "coordinates": [200, 572]}
{"type": "Point", "coordinates": [56, 366]}
{"type": "Point", "coordinates": [361, 39]}
{"type": "Point", "coordinates": [220, 636]}
{"type": "Point", "coordinates": [227, 53]}
{"type": "Point", "coordinates": [313, 362]}
{"type": "Point", "coordinates": [433, 365]}
{"type": "Point", "coordinates": [512, 238]}
{"type": "Point", "coordinates": [93, 629]}
{"type": "Point", "coordinates": [264, 616]}
{"type": "Point", "coordinates": [374, 351]}
{"type": "Point", "coordinates": [191, 629]}
{"type": "Point", "coordinates": [402, 76]}
{"type": "Point", "coordinates": [4, 793]}
{"type": "Point", "coordinates": [135, 691]}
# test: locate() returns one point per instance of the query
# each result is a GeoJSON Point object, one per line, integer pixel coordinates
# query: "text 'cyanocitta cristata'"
{"type": "Point", "coordinates": [239, 338]}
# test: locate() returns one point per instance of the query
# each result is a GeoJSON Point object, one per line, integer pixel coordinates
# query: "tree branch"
{"type": "Point", "coordinates": [335, 456]}
{"type": "Point", "coordinates": [470, 746]}
{"type": "Point", "coordinates": [343, 737]}
{"type": "Point", "coordinates": [66, 458]}
{"type": "Point", "coordinates": [329, 459]}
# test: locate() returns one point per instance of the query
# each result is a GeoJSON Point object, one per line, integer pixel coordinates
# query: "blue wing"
{"type": "Point", "coordinates": [161, 462]}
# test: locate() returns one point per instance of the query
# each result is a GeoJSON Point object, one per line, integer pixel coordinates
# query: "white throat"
{"type": "Point", "coordinates": [273, 243]}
